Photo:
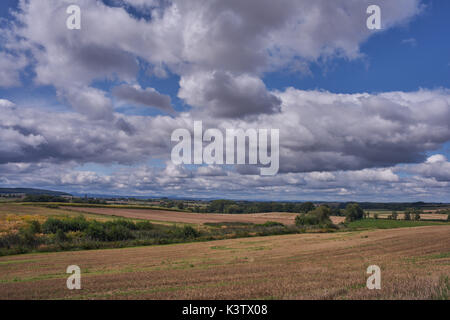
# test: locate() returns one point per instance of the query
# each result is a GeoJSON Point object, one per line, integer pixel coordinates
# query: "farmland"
{"type": "Point", "coordinates": [414, 257]}
{"type": "Point", "coordinates": [414, 262]}
{"type": "Point", "coordinates": [189, 217]}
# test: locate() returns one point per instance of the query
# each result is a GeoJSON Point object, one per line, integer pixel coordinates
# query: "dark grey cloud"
{"type": "Point", "coordinates": [146, 97]}
{"type": "Point", "coordinates": [319, 131]}
{"type": "Point", "coordinates": [32, 135]}
{"type": "Point", "coordinates": [228, 96]}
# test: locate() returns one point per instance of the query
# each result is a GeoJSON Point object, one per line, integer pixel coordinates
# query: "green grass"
{"type": "Point", "coordinates": [17, 261]}
{"type": "Point", "coordinates": [390, 224]}
{"type": "Point", "coordinates": [442, 255]}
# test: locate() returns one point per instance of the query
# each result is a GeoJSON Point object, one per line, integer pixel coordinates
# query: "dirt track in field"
{"type": "Point", "coordinates": [413, 262]}
{"type": "Point", "coordinates": [195, 218]}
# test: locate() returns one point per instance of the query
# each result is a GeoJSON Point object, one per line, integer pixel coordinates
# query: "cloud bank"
{"type": "Point", "coordinates": [335, 146]}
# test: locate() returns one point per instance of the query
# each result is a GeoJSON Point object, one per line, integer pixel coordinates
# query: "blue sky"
{"type": "Point", "coordinates": [144, 86]}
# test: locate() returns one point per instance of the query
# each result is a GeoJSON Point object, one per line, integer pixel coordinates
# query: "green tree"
{"type": "Point", "coordinates": [96, 231]}
{"type": "Point", "coordinates": [353, 212]}
{"type": "Point", "coordinates": [170, 204]}
{"type": "Point", "coordinates": [318, 216]}
{"type": "Point", "coordinates": [289, 207]}
{"type": "Point", "coordinates": [407, 215]}
{"type": "Point", "coordinates": [180, 205]}
{"type": "Point", "coordinates": [306, 207]}
{"type": "Point", "coordinates": [234, 208]}
{"type": "Point", "coordinates": [219, 205]}
{"type": "Point", "coordinates": [393, 216]}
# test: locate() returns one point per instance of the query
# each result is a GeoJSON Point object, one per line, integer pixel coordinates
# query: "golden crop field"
{"type": "Point", "coordinates": [414, 262]}
{"type": "Point", "coordinates": [15, 215]}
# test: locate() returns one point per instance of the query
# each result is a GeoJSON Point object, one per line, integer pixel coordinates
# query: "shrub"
{"type": "Point", "coordinates": [122, 223]}
{"type": "Point", "coordinates": [417, 216]}
{"type": "Point", "coordinates": [189, 233]}
{"type": "Point", "coordinates": [60, 236]}
{"type": "Point", "coordinates": [9, 240]}
{"type": "Point", "coordinates": [52, 225]}
{"type": "Point", "coordinates": [407, 215]}
{"type": "Point", "coordinates": [144, 225]}
{"type": "Point", "coordinates": [77, 224]}
{"type": "Point", "coordinates": [96, 231]}
{"type": "Point", "coordinates": [52, 206]}
{"type": "Point", "coordinates": [375, 215]}
{"type": "Point", "coordinates": [272, 224]}
{"type": "Point", "coordinates": [118, 233]}
{"type": "Point", "coordinates": [27, 237]}
{"type": "Point", "coordinates": [35, 227]}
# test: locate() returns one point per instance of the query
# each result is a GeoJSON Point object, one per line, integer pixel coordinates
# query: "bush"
{"type": "Point", "coordinates": [144, 225]}
{"type": "Point", "coordinates": [417, 216]}
{"type": "Point", "coordinates": [9, 240]}
{"type": "Point", "coordinates": [189, 233]}
{"type": "Point", "coordinates": [77, 224]}
{"type": "Point", "coordinates": [52, 225]}
{"type": "Point", "coordinates": [35, 227]}
{"type": "Point", "coordinates": [272, 224]}
{"type": "Point", "coordinates": [407, 215]}
{"type": "Point", "coordinates": [375, 215]}
{"type": "Point", "coordinates": [52, 206]}
{"type": "Point", "coordinates": [118, 233]}
{"type": "Point", "coordinates": [122, 223]}
{"type": "Point", "coordinates": [27, 238]}
{"type": "Point", "coordinates": [96, 231]}
{"type": "Point", "coordinates": [60, 236]}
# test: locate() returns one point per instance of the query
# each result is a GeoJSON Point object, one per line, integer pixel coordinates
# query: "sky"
{"type": "Point", "coordinates": [363, 115]}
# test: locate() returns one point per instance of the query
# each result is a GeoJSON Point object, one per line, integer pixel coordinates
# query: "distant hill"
{"type": "Point", "coordinates": [30, 191]}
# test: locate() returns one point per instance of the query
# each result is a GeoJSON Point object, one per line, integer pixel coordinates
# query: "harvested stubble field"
{"type": "Point", "coordinates": [196, 218]}
{"type": "Point", "coordinates": [414, 263]}
{"type": "Point", "coordinates": [401, 216]}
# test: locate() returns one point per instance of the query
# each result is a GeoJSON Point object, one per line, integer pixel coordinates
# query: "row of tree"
{"type": "Point", "coordinates": [236, 207]}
